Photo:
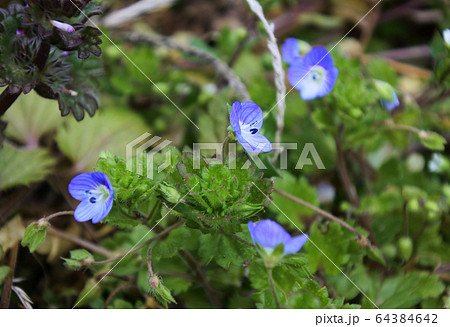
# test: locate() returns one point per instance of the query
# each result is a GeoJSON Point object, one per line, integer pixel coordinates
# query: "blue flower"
{"type": "Point", "coordinates": [95, 192]}
{"type": "Point", "coordinates": [314, 75]}
{"type": "Point", "coordinates": [290, 50]}
{"type": "Point", "coordinates": [268, 234]}
{"type": "Point", "coordinates": [390, 104]}
{"type": "Point", "coordinates": [246, 119]}
{"type": "Point", "coordinates": [446, 36]}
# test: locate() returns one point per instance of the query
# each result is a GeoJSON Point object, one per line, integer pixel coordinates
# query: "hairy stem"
{"type": "Point", "coordinates": [80, 242]}
{"type": "Point", "coordinates": [54, 215]}
{"type": "Point", "coordinates": [240, 239]}
{"type": "Point", "coordinates": [272, 287]}
{"type": "Point", "coordinates": [277, 67]}
{"type": "Point", "coordinates": [319, 211]}
{"type": "Point", "coordinates": [158, 236]}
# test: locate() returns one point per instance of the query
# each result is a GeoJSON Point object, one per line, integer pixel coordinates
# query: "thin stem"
{"type": "Point", "coordinates": [56, 214]}
{"type": "Point", "coordinates": [201, 276]}
{"type": "Point", "coordinates": [149, 261]}
{"type": "Point", "coordinates": [78, 241]}
{"type": "Point", "coordinates": [343, 172]}
{"type": "Point", "coordinates": [161, 234]}
{"type": "Point", "coordinates": [272, 287]}
{"type": "Point", "coordinates": [403, 127]}
{"type": "Point", "coordinates": [240, 239]}
{"type": "Point", "coordinates": [224, 144]}
{"type": "Point", "coordinates": [7, 285]}
{"type": "Point", "coordinates": [318, 210]}
{"type": "Point", "coordinates": [117, 290]}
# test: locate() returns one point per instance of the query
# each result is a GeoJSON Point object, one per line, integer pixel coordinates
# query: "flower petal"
{"type": "Point", "coordinates": [268, 233]}
{"type": "Point", "coordinates": [254, 142]}
{"type": "Point", "coordinates": [234, 116]}
{"type": "Point", "coordinates": [295, 244]}
{"type": "Point", "coordinates": [319, 56]}
{"type": "Point", "coordinates": [101, 178]}
{"type": "Point", "coordinates": [87, 211]}
{"type": "Point", "coordinates": [390, 105]}
{"type": "Point", "coordinates": [81, 185]}
{"type": "Point", "coordinates": [251, 228]}
{"type": "Point", "coordinates": [301, 76]}
{"type": "Point", "coordinates": [251, 115]}
{"type": "Point", "coordinates": [290, 50]}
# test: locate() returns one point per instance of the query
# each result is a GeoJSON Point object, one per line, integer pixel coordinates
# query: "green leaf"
{"type": "Point", "coordinates": [309, 295]}
{"type": "Point", "coordinates": [34, 235]}
{"type": "Point", "coordinates": [31, 117]}
{"type": "Point", "coordinates": [405, 291]}
{"type": "Point", "coordinates": [89, 293]}
{"type": "Point", "coordinates": [224, 250]}
{"type": "Point", "coordinates": [296, 187]}
{"type": "Point", "coordinates": [432, 140]}
{"type": "Point", "coordinates": [375, 254]}
{"type": "Point", "coordinates": [79, 259]}
{"type": "Point", "coordinates": [22, 166]}
{"type": "Point", "coordinates": [178, 239]}
{"type": "Point", "coordinates": [111, 130]}
{"type": "Point", "coordinates": [4, 271]}
{"type": "Point", "coordinates": [335, 243]}
{"type": "Point", "coordinates": [132, 192]}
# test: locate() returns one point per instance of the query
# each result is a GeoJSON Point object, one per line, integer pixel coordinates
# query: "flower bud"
{"type": "Point", "coordinates": [63, 26]}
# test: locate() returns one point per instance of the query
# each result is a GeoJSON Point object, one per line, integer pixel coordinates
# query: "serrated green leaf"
{"type": "Point", "coordinates": [334, 243]}
{"type": "Point", "coordinates": [22, 166]}
{"type": "Point", "coordinates": [224, 250]}
{"type": "Point", "coordinates": [296, 187]}
{"type": "Point", "coordinates": [31, 117]}
{"type": "Point", "coordinates": [34, 236]}
{"type": "Point", "coordinates": [110, 130]}
{"type": "Point", "coordinates": [78, 259]}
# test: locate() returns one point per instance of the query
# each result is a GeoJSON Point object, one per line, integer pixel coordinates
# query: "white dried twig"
{"type": "Point", "coordinates": [277, 67]}
{"type": "Point", "coordinates": [23, 297]}
{"type": "Point", "coordinates": [129, 13]}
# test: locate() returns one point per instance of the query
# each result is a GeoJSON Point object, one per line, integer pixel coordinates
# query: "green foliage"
{"type": "Point", "coordinates": [225, 250]}
{"type": "Point", "coordinates": [330, 250]}
{"type": "Point", "coordinates": [4, 271]}
{"type": "Point", "coordinates": [296, 187]}
{"type": "Point", "coordinates": [390, 182]}
{"type": "Point", "coordinates": [16, 170]}
{"type": "Point", "coordinates": [220, 194]}
{"type": "Point", "coordinates": [78, 259]}
{"type": "Point", "coordinates": [82, 141]}
{"type": "Point", "coordinates": [32, 118]}
{"type": "Point", "coordinates": [133, 192]}
{"type": "Point", "coordinates": [35, 234]}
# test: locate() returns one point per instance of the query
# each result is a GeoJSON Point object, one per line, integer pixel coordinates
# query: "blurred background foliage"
{"type": "Point", "coordinates": [384, 175]}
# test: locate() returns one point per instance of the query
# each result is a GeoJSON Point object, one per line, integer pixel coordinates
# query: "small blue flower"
{"type": "Point", "coordinates": [446, 36]}
{"type": "Point", "coordinates": [314, 75]}
{"type": "Point", "coordinates": [390, 104]}
{"type": "Point", "coordinates": [290, 50]}
{"type": "Point", "coordinates": [268, 234]}
{"type": "Point", "coordinates": [246, 119]}
{"type": "Point", "coordinates": [96, 194]}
